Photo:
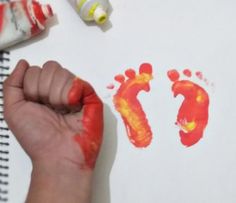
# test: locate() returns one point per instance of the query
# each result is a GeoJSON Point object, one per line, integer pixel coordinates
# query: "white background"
{"type": "Point", "coordinates": [200, 35]}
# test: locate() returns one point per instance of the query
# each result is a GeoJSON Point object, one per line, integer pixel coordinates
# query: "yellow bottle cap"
{"type": "Point", "coordinates": [100, 15]}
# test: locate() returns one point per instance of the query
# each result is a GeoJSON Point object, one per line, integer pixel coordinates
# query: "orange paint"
{"type": "Point", "coordinates": [129, 107]}
{"type": "Point", "coordinates": [193, 114]}
{"type": "Point", "coordinates": [90, 138]}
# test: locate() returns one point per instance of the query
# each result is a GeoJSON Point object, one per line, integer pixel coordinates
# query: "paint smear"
{"type": "Point", "coordinates": [129, 107]}
{"type": "Point", "coordinates": [21, 20]}
{"type": "Point", "coordinates": [110, 86]}
{"type": "Point", "coordinates": [90, 138]}
{"type": "Point", "coordinates": [199, 75]}
{"type": "Point", "coordinates": [1, 16]}
{"type": "Point", "coordinates": [192, 117]}
{"type": "Point", "coordinates": [187, 73]}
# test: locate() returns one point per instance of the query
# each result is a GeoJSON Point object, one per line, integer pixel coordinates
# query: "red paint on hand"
{"type": "Point", "coordinates": [193, 114]}
{"type": "Point", "coordinates": [75, 92]}
{"type": "Point", "coordinates": [129, 107]}
{"type": "Point", "coordinates": [90, 138]}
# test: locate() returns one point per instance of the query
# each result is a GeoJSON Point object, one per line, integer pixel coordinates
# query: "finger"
{"type": "Point", "coordinates": [89, 94]}
{"type": "Point", "coordinates": [72, 93]}
{"type": "Point", "coordinates": [45, 80]}
{"type": "Point", "coordinates": [31, 81]}
{"type": "Point", "coordinates": [81, 92]}
{"type": "Point", "coordinates": [92, 110]}
{"type": "Point", "coordinates": [13, 85]}
{"type": "Point", "coordinates": [93, 115]}
{"type": "Point", "coordinates": [60, 78]}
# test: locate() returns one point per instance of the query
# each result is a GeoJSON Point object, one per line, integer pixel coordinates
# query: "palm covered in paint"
{"type": "Point", "coordinates": [42, 108]}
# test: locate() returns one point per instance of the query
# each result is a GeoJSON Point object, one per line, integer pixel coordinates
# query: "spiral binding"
{"type": "Point", "coordinates": [4, 137]}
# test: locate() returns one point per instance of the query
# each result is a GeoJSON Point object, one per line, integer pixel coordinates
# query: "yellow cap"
{"type": "Point", "coordinates": [100, 15]}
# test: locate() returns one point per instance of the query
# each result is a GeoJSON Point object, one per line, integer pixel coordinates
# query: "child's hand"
{"type": "Point", "coordinates": [55, 116]}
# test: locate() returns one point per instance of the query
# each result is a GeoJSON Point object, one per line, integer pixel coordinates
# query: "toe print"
{"type": "Point", "coordinates": [192, 117]}
{"type": "Point", "coordinates": [129, 107]}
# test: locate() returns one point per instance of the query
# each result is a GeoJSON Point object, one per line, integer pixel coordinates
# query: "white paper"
{"type": "Point", "coordinates": [199, 35]}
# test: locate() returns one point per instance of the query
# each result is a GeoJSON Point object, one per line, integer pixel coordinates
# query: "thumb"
{"type": "Point", "coordinates": [13, 85]}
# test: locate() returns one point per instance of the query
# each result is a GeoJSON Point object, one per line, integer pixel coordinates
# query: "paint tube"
{"type": "Point", "coordinates": [20, 20]}
{"type": "Point", "coordinates": [92, 10]}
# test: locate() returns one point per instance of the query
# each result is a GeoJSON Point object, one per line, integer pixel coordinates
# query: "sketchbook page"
{"type": "Point", "coordinates": [194, 35]}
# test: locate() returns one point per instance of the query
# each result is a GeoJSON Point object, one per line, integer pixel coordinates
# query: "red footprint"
{"type": "Point", "coordinates": [193, 113]}
{"type": "Point", "coordinates": [129, 107]}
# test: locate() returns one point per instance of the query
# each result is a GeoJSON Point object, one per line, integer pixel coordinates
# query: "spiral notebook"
{"type": "Point", "coordinates": [4, 131]}
{"type": "Point", "coordinates": [4, 135]}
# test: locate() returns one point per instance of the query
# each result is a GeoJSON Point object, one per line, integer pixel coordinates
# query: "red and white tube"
{"type": "Point", "coordinates": [20, 20]}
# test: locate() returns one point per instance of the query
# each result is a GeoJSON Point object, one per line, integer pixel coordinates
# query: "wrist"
{"type": "Point", "coordinates": [59, 178]}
